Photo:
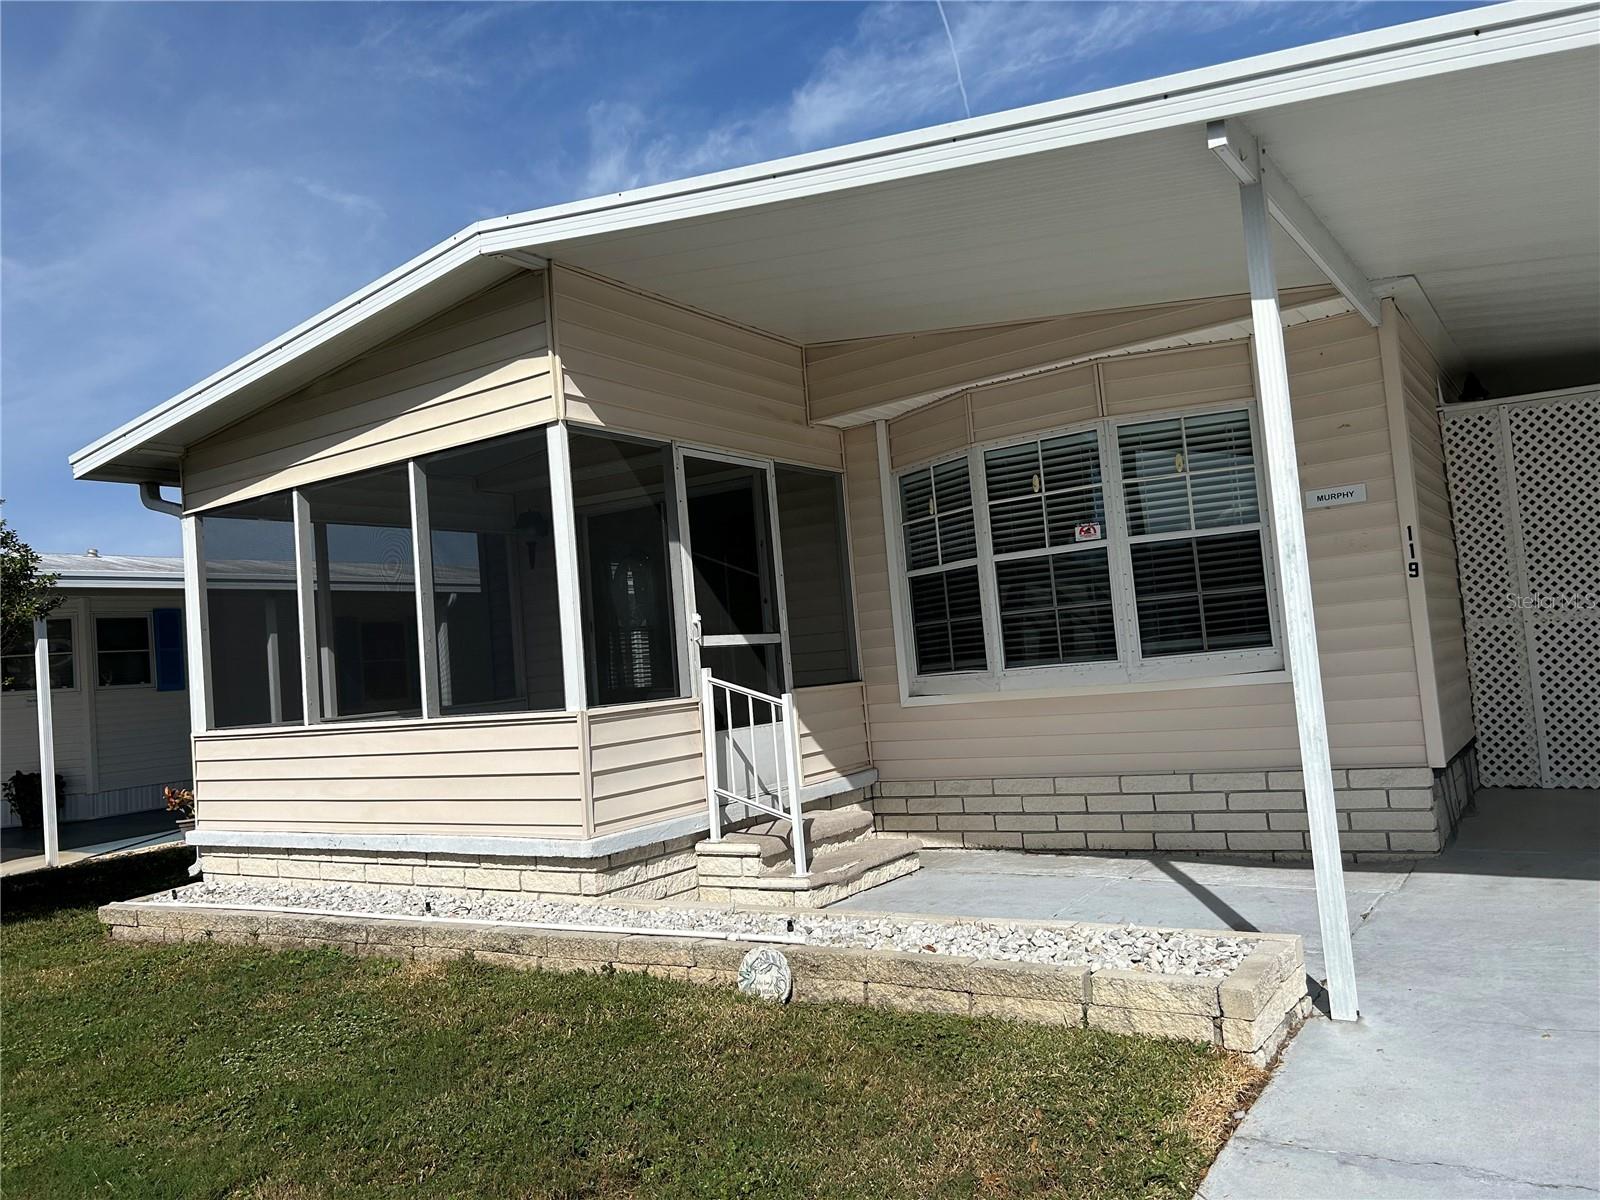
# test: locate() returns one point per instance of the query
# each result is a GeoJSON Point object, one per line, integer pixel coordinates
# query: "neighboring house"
{"type": "Point", "coordinates": [119, 690]}
{"type": "Point", "coordinates": [980, 442]}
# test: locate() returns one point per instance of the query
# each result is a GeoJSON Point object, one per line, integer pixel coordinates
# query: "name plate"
{"type": "Point", "coordinates": [1345, 493]}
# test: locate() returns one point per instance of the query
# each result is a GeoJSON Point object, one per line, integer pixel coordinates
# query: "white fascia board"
{"type": "Point", "coordinates": [1414, 304]}
{"type": "Point", "coordinates": [1239, 151]}
{"type": "Point", "coordinates": [1441, 45]}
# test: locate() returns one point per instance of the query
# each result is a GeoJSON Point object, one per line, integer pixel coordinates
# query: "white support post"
{"type": "Point", "coordinates": [797, 814]}
{"type": "Point", "coordinates": [196, 623]}
{"type": "Point", "coordinates": [306, 565]}
{"type": "Point", "coordinates": [1237, 149]}
{"type": "Point", "coordinates": [322, 606]}
{"type": "Point", "coordinates": [47, 743]}
{"type": "Point", "coordinates": [422, 573]}
{"type": "Point", "coordinates": [1299, 621]}
{"type": "Point", "coordinates": [564, 536]}
{"type": "Point", "coordinates": [708, 729]}
{"type": "Point", "coordinates": [274, 672]}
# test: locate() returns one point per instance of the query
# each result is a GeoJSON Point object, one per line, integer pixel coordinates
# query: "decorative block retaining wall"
{"type": "Point", "coordinates": [1383, 812]}
{"type": "Point", "coordinates": [1252, 1011]}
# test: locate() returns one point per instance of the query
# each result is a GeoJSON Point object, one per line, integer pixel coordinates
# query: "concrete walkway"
{"type": "Point", "coordinates": [1475, 1070]}
{"type": "Point", "coordinates": [22, 850]}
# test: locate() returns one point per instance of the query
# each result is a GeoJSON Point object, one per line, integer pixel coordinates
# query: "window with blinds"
{"type": "Point", "coordinates": [938, 529]}
{"type": "Point", "coordinates": [1047, 531]}
{"type": "Point", "coordinates": [1194, 532]}
{"type": "Point", "coordinates": [1125, 550]}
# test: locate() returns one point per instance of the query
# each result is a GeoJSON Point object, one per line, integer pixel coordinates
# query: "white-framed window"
{"type": "Point", "coordinates": [17, 664]}
{"type": "Point", "coordinates": [1123, 550]}
{"type": "Point", "coordinates": [938, 524]}
{"type": "Point", "coordinates": [122, 652]}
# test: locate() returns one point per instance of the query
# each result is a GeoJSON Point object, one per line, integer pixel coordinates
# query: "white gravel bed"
{"type": "Point", "coordinates": [1125, 946]}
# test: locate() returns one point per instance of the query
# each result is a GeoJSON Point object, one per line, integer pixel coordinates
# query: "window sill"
{"type": "Point", "coordinates": [1061, 691]}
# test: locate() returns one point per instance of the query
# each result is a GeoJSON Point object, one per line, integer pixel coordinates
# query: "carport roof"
{"type": "Point", "coordinates": [1456, 160]}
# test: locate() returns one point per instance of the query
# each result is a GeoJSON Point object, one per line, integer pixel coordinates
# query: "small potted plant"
{"type": "Point", "coordinates": [180, 802]}
{"type": "Point", "coordinates": [24, 792]}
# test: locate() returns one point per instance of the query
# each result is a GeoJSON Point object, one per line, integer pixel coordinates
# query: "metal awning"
{"type": "Point", "coordinates": [1455, 160]}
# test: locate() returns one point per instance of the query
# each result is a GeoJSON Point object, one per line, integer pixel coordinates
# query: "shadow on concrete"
{"type": "Point", "coordinates": [1230, 916]}
{"type": "Point", "coordinates": [17, 842]}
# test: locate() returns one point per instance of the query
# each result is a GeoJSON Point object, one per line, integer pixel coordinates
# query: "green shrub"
{"type": "Point", "coordinates": [24, 792]}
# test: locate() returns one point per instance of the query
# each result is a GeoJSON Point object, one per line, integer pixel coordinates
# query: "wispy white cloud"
{"type": "Point", "coordinates": [893, 71]}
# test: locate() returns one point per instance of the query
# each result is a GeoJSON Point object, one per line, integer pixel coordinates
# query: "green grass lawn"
{"type": "Point", "coordinates": [195, 1070]}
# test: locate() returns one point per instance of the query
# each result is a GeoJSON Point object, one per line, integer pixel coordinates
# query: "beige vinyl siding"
{"type": "Point", "coordinates": [480, 370]}
{"type": "Point", "coordinates": [637, 364]}
{"type": "Point", "coordinates": [1044, 401]}
{"type": "Point", "coordinates": [646, 764]}
{"type": "Point", "coordinates": [930, 432]}
{"type": "Point", "coordinates": [141, 734]}
{"type": "Point", "coordinates": [498, 776]}
{"type": "Point", "coordinates": [1436, 542]}
{"type": "Point", "coordinates": [850, 377]}
{"type": "Point", "coordinates": [69, 717]}
{"type": "Point", "coordinates": [1363, 622]}
{"type": "Point", "coordinates": [833, 731]}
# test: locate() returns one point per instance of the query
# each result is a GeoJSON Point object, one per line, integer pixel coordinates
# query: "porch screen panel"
{"type": "Point", "coordinates": [938, 529]}
{"type": "Point", "coordinates": [1195, 534]}
{"type": "Point", "coordinates": [624, 515]}
{"type": "Point", "coordinates": [811, 530]}
{"type": "Point", "coordinates": [496, 610]}
{"type": "Point", "coordinates": [254, 642]}
{"type": "Point", "coordinates": [366, 595]}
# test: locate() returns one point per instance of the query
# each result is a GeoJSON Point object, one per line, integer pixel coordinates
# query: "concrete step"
{"type": "Point", "coordinates": [837, 871]}
{"type": "Point", "coordinates": [838, 864]}
{"type": "Point", "coordinates": [831, 827]}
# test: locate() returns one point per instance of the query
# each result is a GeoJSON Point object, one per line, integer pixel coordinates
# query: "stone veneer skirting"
{"type": "Point", "coordinates": [1252, 1011]}
{"type": "Point", "coordinates": [653, 872]}
{"type": "Point", "coordinates": [1383, 812]}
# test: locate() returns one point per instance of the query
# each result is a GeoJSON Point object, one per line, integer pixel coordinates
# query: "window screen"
{"type": "Point", "coordinates": [816, 567]}
{"type": "Point", "coordinates": [366, 595]}
{"type": "Point", "coordinates": [254, 632]}
{"type": "Point", "coordinates": [496, 612]}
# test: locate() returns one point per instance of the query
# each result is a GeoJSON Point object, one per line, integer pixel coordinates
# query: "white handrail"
{"type": "Point", "coordinates": [778, 800]}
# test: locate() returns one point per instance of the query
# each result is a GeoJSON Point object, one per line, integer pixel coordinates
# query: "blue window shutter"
{"type": "Point", "coordinates": [169, 649]}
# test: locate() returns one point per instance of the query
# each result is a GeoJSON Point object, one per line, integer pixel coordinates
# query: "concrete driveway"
{"type": "Point", "coordinates": [1475, 1070]}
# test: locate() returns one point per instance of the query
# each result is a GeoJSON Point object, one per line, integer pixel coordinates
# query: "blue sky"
{"type": "Point", "coordinates": [182, 182]}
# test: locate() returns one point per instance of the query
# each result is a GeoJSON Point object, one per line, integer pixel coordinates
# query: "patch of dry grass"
{"type": "Point", "coordinates": [182, 1070]}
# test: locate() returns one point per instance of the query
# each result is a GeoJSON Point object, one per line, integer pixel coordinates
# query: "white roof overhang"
{"type": "Point", "coordinates": [1455, 160]}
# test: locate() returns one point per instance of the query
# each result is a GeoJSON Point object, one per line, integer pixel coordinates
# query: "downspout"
{"type": "Point", "coordinates": [150, 496]}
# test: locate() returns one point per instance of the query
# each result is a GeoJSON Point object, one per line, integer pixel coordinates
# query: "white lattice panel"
{"type": "Point", "coordinates": [1567, 657]}
{"type": "Point", "coordinates": [1556, 482]}
{"type": "Point", "coordinates": [1525, 489]}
